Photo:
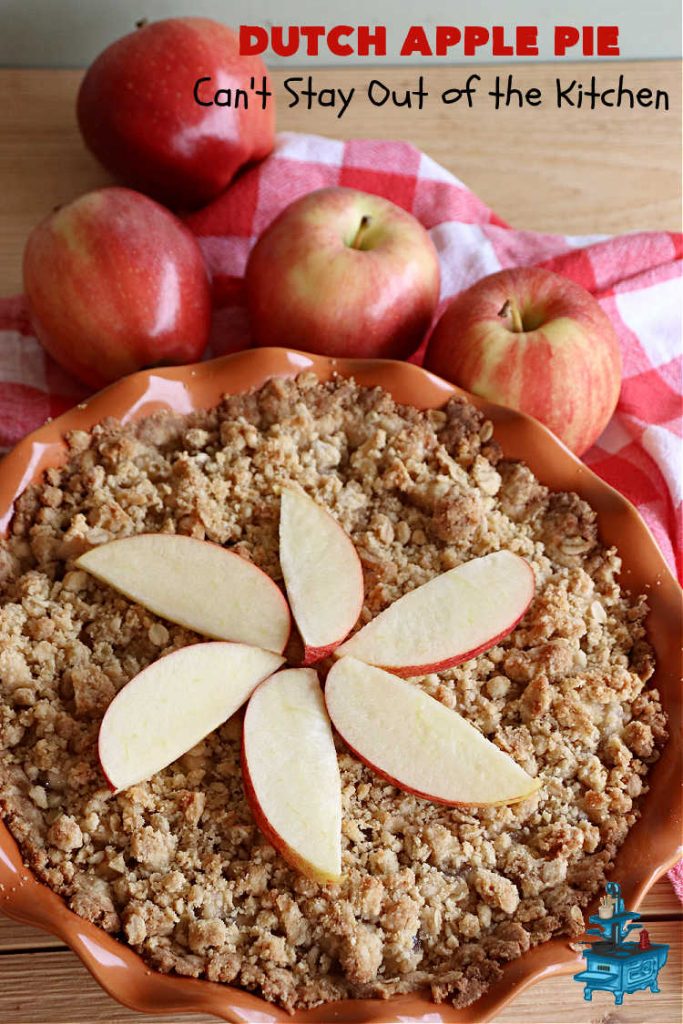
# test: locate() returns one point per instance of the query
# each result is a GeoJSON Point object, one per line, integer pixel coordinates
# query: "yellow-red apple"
{"type": "Point", "coordinates": [115, 283]}
{"type": "Point", "coordinates": [343, 273]}
{"type": "Point", "coordinates": [535, 341]}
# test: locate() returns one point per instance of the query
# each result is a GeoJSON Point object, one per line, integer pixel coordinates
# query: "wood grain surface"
{"type": "Point", "coordinates": [574, 171]}
{"type": "Point", "coordinates": [571, 171]}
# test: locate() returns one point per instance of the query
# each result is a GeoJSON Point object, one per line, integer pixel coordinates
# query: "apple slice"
{"type": "Point", "coordinates": [197, 584]}
{"type": "Point", "coordinates": [453, 617]}
{"type": "Point", "coordinates": [323, 574]}
{"type": "Point", "coordinates": [290, 771]}
{"type": "Point", "coordinates": [418, 744]}
{"type": "Point", "coordinates": [174, 703]}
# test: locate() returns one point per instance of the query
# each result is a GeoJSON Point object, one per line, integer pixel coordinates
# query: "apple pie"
{"type": "Point", "coordinates": [431, 896]}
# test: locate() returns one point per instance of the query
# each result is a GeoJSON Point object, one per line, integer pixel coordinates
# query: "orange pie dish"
{"type": "Point", "coordinates": [613, 811]}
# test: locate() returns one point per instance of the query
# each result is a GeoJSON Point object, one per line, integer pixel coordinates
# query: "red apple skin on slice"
{"type": "Point", "coordinates": [418, 744]}
{"type": "Point", "coordinates": [453, 617]}
{"type": "Point", "coordinates": [322, 572]}
{"type": "Point", "coordinates": [197, 584]}
{"type": "Point", "coordinates": [291, 773]}
{"type": "Point", "coordinates": [175, 702]}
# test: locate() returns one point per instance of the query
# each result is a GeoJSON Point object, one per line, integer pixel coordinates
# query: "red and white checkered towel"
{"type": "Point", "coordinates": [635, 277]}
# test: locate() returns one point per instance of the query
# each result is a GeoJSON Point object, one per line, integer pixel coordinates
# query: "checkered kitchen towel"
{"type": "Point", "coordinates": [635, 277]}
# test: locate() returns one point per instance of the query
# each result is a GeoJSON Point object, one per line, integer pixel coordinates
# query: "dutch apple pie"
{"type": "Point", "coordinates": [430, 896]}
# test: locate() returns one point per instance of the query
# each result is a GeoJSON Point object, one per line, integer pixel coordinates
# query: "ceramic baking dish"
{"type": "Point", "coordinates": [651, 846]}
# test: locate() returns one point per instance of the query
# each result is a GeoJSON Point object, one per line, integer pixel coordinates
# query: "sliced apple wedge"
{"type": "Point", "coordinates": [418, 744]}
{"type": "Point", "coordinates": [197, 584]}
{"type": "Point", "coordinates": [453, 617]}
{"type": "Point", "coordinates": [172, 704]}
{"type": "Point", "coordinates": [323, 574]}
{"type": "Point", "coordinates": [290, 771]}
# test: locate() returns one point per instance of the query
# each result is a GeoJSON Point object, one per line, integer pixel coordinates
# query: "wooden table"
{"type": "Point", "coordinates": [571, 171]}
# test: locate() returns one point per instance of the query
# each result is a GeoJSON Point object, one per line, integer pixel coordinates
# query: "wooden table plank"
{"type": "Point", "coordinates": [74, 998]}
{"type": "Point", "coordinates": [16, 938]}
{"type": "Point", "coordinates": [560, 1000]}
{"type": "Point", "coordinates": [661, 901]}
{"type": "Point", "coordinates": [571, 171]}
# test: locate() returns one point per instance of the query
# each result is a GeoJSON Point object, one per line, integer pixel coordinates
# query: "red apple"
{"type": "Point", "coordinates": [343, 273]}
{"type": "Point", "coordinates": [115, 283]}
{"type": "Point", "coordinates": [538, 342]}
{"type": "Point", "coordinates": [147, 117]}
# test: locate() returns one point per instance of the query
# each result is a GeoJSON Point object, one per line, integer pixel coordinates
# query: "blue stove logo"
{"type": "Point", "coordinates": [612, 964]}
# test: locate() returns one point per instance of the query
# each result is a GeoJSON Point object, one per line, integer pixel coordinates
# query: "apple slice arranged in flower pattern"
{"type": "Point", "coordinates": [289, 764]}
{"type": "Point", "coordinates": [197, 584]}
{"type": "Point", "coordinates": [323, 574]}
{"type": "Point", "coordinates": [291, 775]}
{"type": "Point", "coordinates": [416, 742]}
{"type": "Point", "coordinates": [452, 618]}
{"type": "Point", "coordinates": [174, 703]}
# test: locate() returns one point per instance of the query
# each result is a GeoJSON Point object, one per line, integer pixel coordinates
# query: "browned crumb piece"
{"type": "Point", "coordinates": [65, 834]}
{"type": "Point", "coordinates": [496, 890]}
{"type": "Point", "coordinates": [431, 897]}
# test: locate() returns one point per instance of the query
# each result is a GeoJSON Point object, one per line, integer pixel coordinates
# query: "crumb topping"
{"type": "Point", "coordinates": [431, 897]}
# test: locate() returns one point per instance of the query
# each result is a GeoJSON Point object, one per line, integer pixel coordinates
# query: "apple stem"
{"type": "Point", "coordinates": [141, 22]}
{"type": "Point", "coordinates": [365, 223]}
{"type": "Point", "coordinates": [511, 307]}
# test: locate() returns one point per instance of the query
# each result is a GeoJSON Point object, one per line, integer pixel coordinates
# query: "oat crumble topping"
{"type": "Point", "coordinates": [431, 896]}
